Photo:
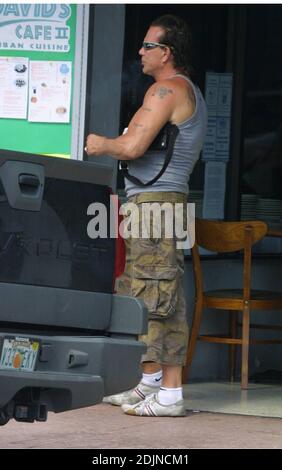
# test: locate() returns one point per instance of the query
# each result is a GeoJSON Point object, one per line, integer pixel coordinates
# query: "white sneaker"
{"type": "Point", "coordinates": [151, 407]}
{"type": "Point", "coordinates": [131, 397]}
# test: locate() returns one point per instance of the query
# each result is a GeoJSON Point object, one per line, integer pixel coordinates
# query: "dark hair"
{"type": "Point", "coordinates": [178, 37]}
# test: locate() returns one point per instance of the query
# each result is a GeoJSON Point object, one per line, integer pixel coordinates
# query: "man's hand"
{"type": "Point", "coordinates": [95, 145]}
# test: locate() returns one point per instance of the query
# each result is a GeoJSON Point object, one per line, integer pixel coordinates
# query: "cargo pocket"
{"type": "Point", "coordinates": [157, 287]}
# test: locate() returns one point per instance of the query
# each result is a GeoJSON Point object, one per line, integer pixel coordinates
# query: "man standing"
{"type": "Point", "coordinates": [154, 269]}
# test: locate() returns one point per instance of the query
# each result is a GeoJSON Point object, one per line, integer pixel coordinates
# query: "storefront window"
{"type": "Point", "coordinates": [261, 181]}
{"type": "Point", "coordinates": [209, 25]}
{"type": "Point", "coordinates": [219, 47]}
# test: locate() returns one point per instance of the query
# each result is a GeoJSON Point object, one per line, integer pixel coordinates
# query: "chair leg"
{"type": "Point", "coordinates": [245, 347]}
{"type": "Point", "coordinates": [232, 347]}
{"type": "Point", "coordinates": [193, 339]}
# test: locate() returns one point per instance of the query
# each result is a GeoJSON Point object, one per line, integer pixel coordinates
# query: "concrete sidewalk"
{"type": "Point", "coordinates": [106, 427]}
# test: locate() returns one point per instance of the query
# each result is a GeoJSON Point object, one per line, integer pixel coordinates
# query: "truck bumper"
{"type": "Point", "coordinates": [74, 372]}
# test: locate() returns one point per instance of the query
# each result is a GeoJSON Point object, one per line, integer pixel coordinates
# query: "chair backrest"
{"type": "Point", "coordinates": [225, 237]}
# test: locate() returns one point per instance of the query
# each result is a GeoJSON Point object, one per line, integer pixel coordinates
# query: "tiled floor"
{"type": "Point", "coordinates": [258, 400]}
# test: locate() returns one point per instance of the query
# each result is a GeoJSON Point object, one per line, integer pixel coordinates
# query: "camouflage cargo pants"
{"type": "Point", "coordinates": [154, 273]}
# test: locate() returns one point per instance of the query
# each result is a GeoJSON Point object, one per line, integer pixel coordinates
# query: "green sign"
{"type": "Point", "coordinates": [39, 32]}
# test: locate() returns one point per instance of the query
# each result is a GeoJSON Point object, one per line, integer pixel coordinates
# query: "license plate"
{"type": "Point", "coordinates": [19, 354]}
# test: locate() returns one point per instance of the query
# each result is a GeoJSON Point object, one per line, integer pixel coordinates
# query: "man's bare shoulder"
{"type": "Point", "coordinates": [162, 89]}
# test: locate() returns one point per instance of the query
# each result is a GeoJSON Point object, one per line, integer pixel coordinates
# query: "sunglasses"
{"type": "Point", "coordinates": [151, 45]}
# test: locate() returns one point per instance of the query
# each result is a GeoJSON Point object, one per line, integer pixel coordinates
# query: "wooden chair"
{"type": "Point", "coordinates": [224, 237]}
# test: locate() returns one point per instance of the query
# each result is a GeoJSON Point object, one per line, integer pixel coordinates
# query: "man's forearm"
{"type": "Point", "coordinates": [121, 148]}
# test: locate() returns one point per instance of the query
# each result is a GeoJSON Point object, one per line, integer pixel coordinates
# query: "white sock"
{"type": "Point", "coordinates": [153, 380]}
{"type": "Point", "coordinates": [169, 396]}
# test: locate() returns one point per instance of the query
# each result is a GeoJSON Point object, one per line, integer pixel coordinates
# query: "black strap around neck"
{"type": "Point", "coordinates": [173, 132]}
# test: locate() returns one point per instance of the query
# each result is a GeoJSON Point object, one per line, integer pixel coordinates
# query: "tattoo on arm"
{"type": "Point", "coordinates": [147, 109]}
{"type": "Point", "coordinates": [162, 92]}
{"type": "Point", "coordinates": [138, 125]}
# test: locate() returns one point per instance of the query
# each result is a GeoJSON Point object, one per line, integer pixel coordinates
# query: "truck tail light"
{"type": "Point", "coordinates": [119, 241]}
{"type": "Point", "coordinates": [120, 249]}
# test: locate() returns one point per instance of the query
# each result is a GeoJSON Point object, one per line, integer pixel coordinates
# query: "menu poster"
{"type": "Point", "coordinates": [224, 95]}
{"type": "Point", "coordinates": [49, 91]}
{"type": "Point", "coordinates": [218, 95]}
{"type": "Point", "coordinates": [211, 93]}
{"type": "Point", "coordinates": [13, 87]}
{"type": "Point", "coordinates": [214, 190]}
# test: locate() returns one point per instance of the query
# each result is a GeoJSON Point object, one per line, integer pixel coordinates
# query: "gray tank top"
{"type": "Point", "coordinates": [187, 148]}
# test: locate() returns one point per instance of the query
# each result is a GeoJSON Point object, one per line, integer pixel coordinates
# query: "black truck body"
{"type": "Point", "coordinates": [66, 339]}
